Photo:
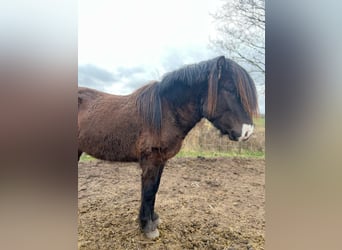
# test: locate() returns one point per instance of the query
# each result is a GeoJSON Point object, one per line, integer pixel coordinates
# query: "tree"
{"type": "Point", "coordinates": [241, 33]}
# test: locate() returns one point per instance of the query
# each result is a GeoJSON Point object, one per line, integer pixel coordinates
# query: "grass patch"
{"type": "Point", "coordinates": [208, 154]}
{"type": "Point", "coordinates": [194, 154]}
{"type": "Point", "coordinates": [259, 122]}
{"type": "Point", "coordinates": [86, 157]}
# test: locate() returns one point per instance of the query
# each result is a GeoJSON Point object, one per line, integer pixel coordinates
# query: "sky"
{"type": "Point", "coordinates": [123, 44]}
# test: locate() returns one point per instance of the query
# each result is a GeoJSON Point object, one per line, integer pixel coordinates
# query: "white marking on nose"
{"type": "Point", "coordinates": [246, 131]}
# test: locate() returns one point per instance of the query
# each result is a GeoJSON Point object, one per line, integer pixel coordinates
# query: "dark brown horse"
{"type": "Point", "coordinates": [149, 125]}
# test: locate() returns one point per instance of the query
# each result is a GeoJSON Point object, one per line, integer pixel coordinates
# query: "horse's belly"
{"type": "Point", "coordinates": [108, 147]}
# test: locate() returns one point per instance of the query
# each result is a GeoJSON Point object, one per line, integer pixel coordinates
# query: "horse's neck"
{"type": "Point", "coordinates": [186, 110]}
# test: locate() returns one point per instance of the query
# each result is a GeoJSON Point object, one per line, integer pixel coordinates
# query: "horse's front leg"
{"type": "Point", "coordinates": [150, 179]}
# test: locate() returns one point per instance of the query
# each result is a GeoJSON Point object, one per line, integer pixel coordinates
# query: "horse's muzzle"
{"type": "Point", "coordinates": [246, 132]}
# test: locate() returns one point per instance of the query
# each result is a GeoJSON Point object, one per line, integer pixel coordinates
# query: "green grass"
{"type": "Point", "coordinates": [259, 122]}
{"type": "Point", "coordinates": [85, 157]}
{"type": "Point", "coordinates": [208, 154]}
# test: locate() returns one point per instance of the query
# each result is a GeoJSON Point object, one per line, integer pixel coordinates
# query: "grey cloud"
{"type": "Point", "coordinates": [97, 73]}
{"type": "Point", "coordinates": [137, 81]}
{"type": "Point", "coordinates": [126, 72]}
{"type": "Point", "coordinates": [172, 61]}
{"type": "Point", "coordinates": [134, 77]}
{"type": "Point", "coordinates": [98, 78]}
{"type": "Point", "coordinates": [94, 77]}
{"type": "Point", "coordinates": [175, 58]}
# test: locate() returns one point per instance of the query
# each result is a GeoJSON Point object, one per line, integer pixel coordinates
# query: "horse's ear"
{"type": "Point", "coordinates": [221, 62]}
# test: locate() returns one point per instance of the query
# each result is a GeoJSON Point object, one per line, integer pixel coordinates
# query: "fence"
{"type": "Point", "coordinates": [204, 137]}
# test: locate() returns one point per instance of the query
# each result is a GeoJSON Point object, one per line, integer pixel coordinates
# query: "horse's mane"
{"type": "Point", "coordinates": [188, 75]}
{"type": "Point", "coordinates": [149, 106]}
{"type": "Point", "coordinates": [149, 99]}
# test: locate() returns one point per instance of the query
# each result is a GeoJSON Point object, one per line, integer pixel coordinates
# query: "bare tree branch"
{"type": "Point", "coordinates": [241, 32]}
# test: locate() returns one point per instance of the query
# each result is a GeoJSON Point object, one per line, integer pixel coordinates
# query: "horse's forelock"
{"type": "Point", "coordinates": [244, 84]}
{"type": "Point", "coordinates": [246, 90]}
{"type": "Point", "coordinates": [214, 78]}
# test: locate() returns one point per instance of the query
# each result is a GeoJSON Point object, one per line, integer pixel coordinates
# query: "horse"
{"type": "Point", "coordinates": [149, 125]}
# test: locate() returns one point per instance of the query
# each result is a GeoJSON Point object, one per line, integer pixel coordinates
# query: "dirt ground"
{"type": "Point", "coordinates": [203, 203]}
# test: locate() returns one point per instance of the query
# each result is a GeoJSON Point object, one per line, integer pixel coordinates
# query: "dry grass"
{"type": "Point", "coordinates": [204, 138]}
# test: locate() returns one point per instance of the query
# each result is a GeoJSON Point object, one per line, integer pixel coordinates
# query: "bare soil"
{"type": "Point", "coordinates": [203, 203]}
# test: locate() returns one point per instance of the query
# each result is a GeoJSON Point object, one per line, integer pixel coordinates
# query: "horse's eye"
{"type": "Point", "coordinates": [229, 88]}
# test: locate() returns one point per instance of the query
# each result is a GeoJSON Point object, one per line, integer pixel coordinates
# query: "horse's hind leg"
{"type": "Point", "coordinates": [149, 220]}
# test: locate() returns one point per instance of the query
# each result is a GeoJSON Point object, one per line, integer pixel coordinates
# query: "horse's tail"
{"type": "Point", "coordinates": [79, 101]}
{"type": "Point", "coordinates": [80, 97]}
{"type": "Point", "coordinates": [150, 107]}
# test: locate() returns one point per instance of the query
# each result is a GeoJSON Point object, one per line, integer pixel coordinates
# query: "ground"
{"type": "Point", "coordinates": [203, 203]}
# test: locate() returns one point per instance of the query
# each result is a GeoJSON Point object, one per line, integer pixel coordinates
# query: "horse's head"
{"type": "Point", "coordinates": [231, 101]}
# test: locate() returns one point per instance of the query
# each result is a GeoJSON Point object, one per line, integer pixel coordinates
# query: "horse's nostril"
{"type": "Point", "coordinates": [246, 134]}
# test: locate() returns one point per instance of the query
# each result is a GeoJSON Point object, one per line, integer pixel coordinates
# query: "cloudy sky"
{"type": "Point", "coordinates": [125, 43]}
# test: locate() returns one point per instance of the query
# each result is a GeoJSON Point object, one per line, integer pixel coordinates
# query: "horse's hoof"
{"type": "Point", "coordinates": [157, 222]}
{"type": "Point", "coordinates": [152, 235]}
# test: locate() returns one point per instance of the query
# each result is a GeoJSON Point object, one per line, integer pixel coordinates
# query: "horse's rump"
{"type": "Point", "coordinates": [85, 95]}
